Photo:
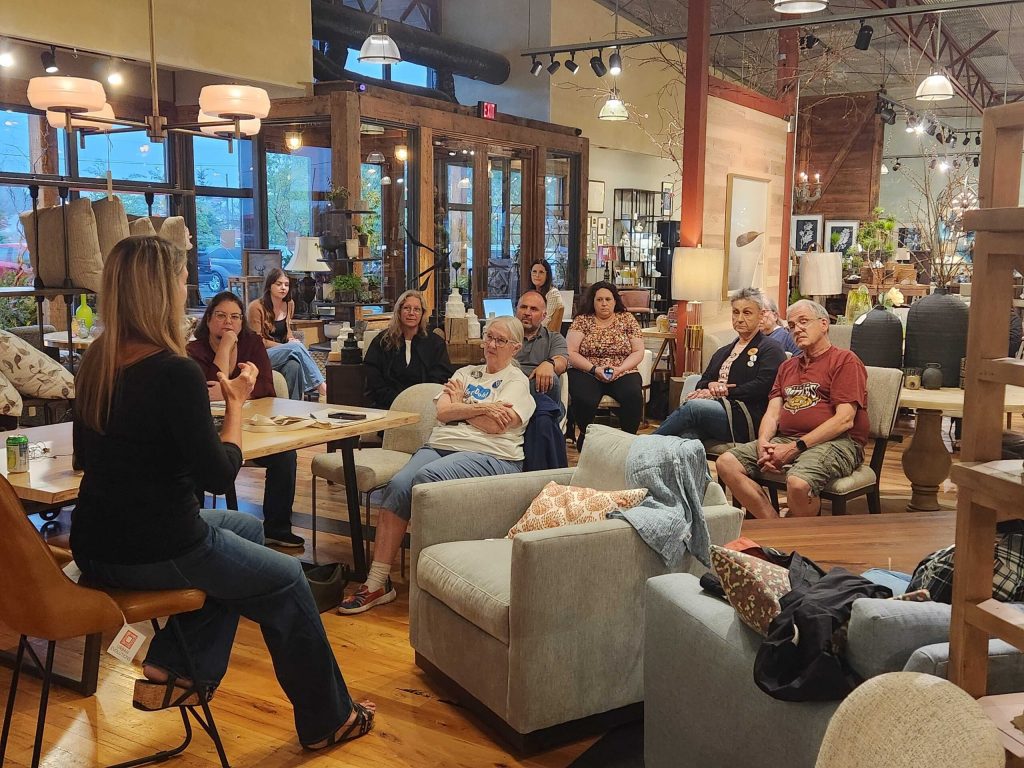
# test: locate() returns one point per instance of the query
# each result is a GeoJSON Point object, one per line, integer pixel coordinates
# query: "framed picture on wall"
{"type": "Point", "coordinates": [805, 232]}
{"type": "Point", "coordinates": [746, 228]}
{"type": "Point", "coordinates": [602, 225]}
{"type": "Point", "coordinates": [666, 199]}
{"type": "Point", "coordinates": [595, 197]}
{"type": "Point", "coordinates": [840, 236]}
{"type": "Point", "coordinates": [257, 263]}
{"type": "Point", "coordinates": [909, 238]}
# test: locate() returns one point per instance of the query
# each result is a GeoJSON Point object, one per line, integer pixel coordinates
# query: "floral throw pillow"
{"type": "Point", "coordinates": [31, 372]}
{"type": "Point", "coordinates": [752, 586]}
{"type": "Point", "coordinates": [10, 401]}
{"type": "Point", "coordinates": [559, 505]}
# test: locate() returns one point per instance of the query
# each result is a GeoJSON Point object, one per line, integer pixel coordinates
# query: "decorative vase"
{"type": "Point", "coordinates": [937, 333]}
{"type": "Point", "coordinates": [352, 248]}
{"type": "Point", "coordinates": [877, 339]}
{"type": "Point", "coordinates": [350, 352]}
{"type": "Point", "coordinates": [931, 376]}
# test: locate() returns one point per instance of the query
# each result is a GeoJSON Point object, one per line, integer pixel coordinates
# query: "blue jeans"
{"type": "Point", "coordinates": [310, 376]}
{"type": "Point", "coordinates": [241, 577]}
{"type": "Point", "coordinates": [698, 420]}
{"type": "Point", "coordinates": [292, 372]}
{"type": "Point", "coordinates": [429, 465]}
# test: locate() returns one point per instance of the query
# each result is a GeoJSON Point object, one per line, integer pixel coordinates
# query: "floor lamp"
{"type": "Point", "coordinates": [697, 276]}
{"type": "Point", "coordinates": [307, 259]}
{"type": "Point", "coordinates": [821, 275]}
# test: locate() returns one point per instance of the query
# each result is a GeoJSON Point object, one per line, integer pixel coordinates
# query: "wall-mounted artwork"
{"type": "Point", "coordinates": [595, 197]}
{"type": "Point", "coordinates": [602, 225]}
{"type": "Point", "coordinates": [257, 263]}
{"type": "Point", "coordinates": [840, 236]}
{"type": "Point", "coordinates": [805, 232]}
{"type": "Point", "coordinates": [746, 230]}
{"type": "Point", "coordinates": [666, 199]}
{"type": "Point", "coordinates": [909, 238]}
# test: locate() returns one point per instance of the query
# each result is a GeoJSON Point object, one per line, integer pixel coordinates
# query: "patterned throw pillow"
{"type": "Point", "coordinates": [10, 401]}
{"type": "Point", "coordinates": [558, 505]}
{"type": "Point", "coordinates": [31, 372]}
{"type": "Point", "coordinates": [752, 586]}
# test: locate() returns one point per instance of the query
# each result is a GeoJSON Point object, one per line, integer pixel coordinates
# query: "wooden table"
{"type": "Point", "coordinates": [668, 346]}
{"type": "Point", "coordinates": [926, 461]}
{"type": "Point", "coordinates": [51, 482]}
{"type": "Point", "coordinates": [59, 340]}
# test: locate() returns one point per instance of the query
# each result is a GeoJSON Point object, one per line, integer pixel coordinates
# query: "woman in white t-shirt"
{"type": "Point", "coordinates": [482, 413]}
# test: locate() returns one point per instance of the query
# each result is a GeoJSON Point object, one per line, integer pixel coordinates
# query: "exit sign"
{"type": "Point", "coordinates": [488, 110]}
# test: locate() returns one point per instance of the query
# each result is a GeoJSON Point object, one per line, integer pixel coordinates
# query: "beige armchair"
{"type": "Point", "coordinates": [547, 628]}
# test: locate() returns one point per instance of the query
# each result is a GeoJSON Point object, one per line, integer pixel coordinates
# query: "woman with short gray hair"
{"type": "Point", "coordinates": [773, 327]}
{"type": "Point", "coordinates": [732, 394]}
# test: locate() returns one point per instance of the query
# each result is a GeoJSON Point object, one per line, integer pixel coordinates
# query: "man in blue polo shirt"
{"type": "Point", "coordinates": [544, 355]}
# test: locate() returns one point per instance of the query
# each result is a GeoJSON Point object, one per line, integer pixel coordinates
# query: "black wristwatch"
{"type": "Point", "coordinates": [593, 368]}
{"type": "Point", "coordinates": [801, 446]}
{"type": "Point", "coordinates": [551, 360]}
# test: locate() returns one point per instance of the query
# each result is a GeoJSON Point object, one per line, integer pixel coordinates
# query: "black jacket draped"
{"type": "Point", "coordinates": [387, 373]}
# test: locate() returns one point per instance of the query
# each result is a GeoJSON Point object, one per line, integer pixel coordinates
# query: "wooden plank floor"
{"type": "Point", "coordinates": [416, 725]}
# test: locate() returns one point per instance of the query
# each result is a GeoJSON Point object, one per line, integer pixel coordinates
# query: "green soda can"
{"type": "Point", "coordinates": [17, 454]}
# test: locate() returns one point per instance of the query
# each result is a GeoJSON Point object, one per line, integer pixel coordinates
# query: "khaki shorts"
{"type": "Point", "coordinates": [817, 466]}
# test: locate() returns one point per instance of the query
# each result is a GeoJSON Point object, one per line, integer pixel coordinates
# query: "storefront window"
{"type": "Point", "coordinates": [128, 156]}
{"type": "Point", "coordinates": [215, 166]}
{"type": "Point", "coordinates": [135, 203]}
{"type": "Point", "coordinates": [22, 148]}
{"type": "Point", "coordinates": [224, 226]}
{"type": "Point", "coordinates": [505, 172]}
{"type": "Point", "coordinates": [558, 191]}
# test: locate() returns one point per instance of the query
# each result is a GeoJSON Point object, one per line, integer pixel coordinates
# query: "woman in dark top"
{"type": "Point", "coordinates": [145, 441]}
{"type": "Point", "coordinates": [739, 376]}
{"type": "Point", "coordinates": [222, 344]}
{"type": "Point", "coordinates": [405, 354]}
{"type": "Point", "coordinates": [270, 318]}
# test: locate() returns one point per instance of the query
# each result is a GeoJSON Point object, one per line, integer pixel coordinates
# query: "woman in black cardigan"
{"type": "Point", "coordinates": [739, 377]}
{"type": "Point", "coordinates": [405, 354]}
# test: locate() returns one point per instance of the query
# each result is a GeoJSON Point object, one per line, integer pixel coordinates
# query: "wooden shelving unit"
{"type": "Point", "coordinates": [989, 489]}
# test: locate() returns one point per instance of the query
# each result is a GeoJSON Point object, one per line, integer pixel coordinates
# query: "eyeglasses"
{"type": "Point", "coordinates": [222, 316]}
{"type": "Point", "coordinates": [496, 341]}
{"type": "Point", "coordinates": [803, 322]}
{"type": "Point", "coordinates": [412, 309]}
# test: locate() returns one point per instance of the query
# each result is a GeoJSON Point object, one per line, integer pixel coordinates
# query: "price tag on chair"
{"type": "Point", "coordinates": [127, 643]}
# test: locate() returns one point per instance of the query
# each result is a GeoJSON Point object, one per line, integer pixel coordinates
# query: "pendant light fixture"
{"type": "Point", "coordinates": [378, 47]}
{"type": "Point", "coordinates": [935, 87]}
{"type": "Point", "coordinates": [221, 129]}
{"type": "Point", "coordinates": [613, 110]}
{"type": "Point", "coordinates": [293, 140]}
{"type": "Point", "coordinates": [81, 120]}
{"type": "Point", "coordinates": [66, 94]}
{"type": "Point", "coordinates": [799, 6]}
{"type": "Point", "coordinates": [375, 157]}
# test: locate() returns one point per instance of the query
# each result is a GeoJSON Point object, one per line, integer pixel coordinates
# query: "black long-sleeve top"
{"type": "Point", "coordinates": [137, 501]}
{"type": "Point", "coordinates": [387, 373]}
{"type": "Point", "coordinates": [753, 373]}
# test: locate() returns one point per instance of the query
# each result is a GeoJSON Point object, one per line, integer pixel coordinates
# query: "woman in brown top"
{"type": "Point", "coordinates": [270, 317]}
{"type": "Point", "coordinates": [605, 348]}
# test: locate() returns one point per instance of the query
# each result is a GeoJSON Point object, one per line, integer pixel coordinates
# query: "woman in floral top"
{"type": "Point", "coordinates": [605, 348]}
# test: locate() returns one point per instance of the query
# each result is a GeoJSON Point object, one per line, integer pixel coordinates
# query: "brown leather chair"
{"type": "Point", "coordinates": [38, 600]}
{"type": "Point", "coordinates": [638, 303]}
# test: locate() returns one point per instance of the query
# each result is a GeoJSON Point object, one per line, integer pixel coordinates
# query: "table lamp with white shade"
{"type": "Point", "coordinates": [821, 275]}
{"type": "Point", "coordinates": [697, 276]}
{"type": "Point", "coordinates": [307, 259]}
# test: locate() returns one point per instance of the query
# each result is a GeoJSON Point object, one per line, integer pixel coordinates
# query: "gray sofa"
{"type": "Point", "coordinates": [703, 709]}
{"type": "Point", "coordinates": [546, 628]}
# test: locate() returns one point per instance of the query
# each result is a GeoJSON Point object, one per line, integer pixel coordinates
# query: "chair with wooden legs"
{"type": "Point", "coordinates": [376, 466]}
{"type": "Point", "coordinates": [38, 600]}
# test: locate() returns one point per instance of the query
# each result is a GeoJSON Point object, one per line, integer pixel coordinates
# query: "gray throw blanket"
{"type": "Point", "coordinates": [671, 519]}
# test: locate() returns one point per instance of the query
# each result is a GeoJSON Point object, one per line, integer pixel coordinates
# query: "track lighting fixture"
{"type": "Point", "coordinates": [554, 65]}
{"type": "Point", "coordinates": [931, 164]}
{"type": "Point", "coordinates": [887, 114]}
{"type": "Point", "coordinates": [6, 54]}
{"type": "Point", "coordinates": [951, 140]}
{"type": "Point", "coordinates": [536, 67]}
{"type": "Point", "coordinates": [114, 75]}
{"type": "Point", "coordinates": [49, 59]}
{"type": "Point", "coordinates": [615, 63]}
{"type": "Point", "coordinates": [932, 128]}
{"type": "Point", "coordinates": [571, 66]}
{"type": "Point", "coordinates": [940, 137]}
{"type": "Point", "coordinates": [977, 161]}
{"type": "Point", "coordinates": [863, 41]}
{"type": "Point", "coordinates": [967, 139]}
{"type": "Point", "coordinates": [597, 64]}
{"type": "Point", "coordinates": [897, 165]}
{"type": "Point", "coordinates": [808, 41]}
{"type": "Point", "coordinates": [977, 138]}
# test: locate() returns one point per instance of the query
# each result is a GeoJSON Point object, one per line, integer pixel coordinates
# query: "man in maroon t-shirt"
{"type": "Point", "coordinates": [816, 425]}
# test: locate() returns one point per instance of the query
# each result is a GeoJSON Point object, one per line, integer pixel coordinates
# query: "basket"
{"type": "Point", "coordinates": [872, 275]}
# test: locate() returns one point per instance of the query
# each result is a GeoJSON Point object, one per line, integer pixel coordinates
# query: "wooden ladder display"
{"type": "Point", "coordinates": [989, 489]}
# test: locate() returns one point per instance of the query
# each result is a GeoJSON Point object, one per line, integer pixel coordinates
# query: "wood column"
{"type": "Point", "coordinates": [695, 128]}
{"type": "Point", "coordinates": [787, 88]}
{"type": "Point", "coordinates": [423, 225]}
{"type": "Point", "coordinates": [481, 219]}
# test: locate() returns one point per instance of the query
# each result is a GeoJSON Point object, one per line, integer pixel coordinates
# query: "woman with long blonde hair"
{"type": "Point", "coordinates": [405, 354]}
{"type": "Point", "coordinates": [145, 442]}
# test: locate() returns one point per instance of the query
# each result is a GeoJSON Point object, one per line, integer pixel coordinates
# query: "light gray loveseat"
{"type": "Point", "coordinates": [546, 628]}
{"type": "Point", "coordinates": [703, 709]}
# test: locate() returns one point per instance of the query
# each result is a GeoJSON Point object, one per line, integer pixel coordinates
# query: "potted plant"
{"type": "Point", "coordinates": [337, 196]}
{"type": "Point", "coordinates": [364, 235]}
{"type": "Point", "coordinates": [346, 287]}
{"type": "Point", "coordinates": [875, 237]}
{"type": "Point", "coordinates": [373, 287]}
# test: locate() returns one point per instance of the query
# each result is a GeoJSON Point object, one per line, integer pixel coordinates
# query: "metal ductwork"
{"type": "Point", "coordinates": [325, 68]}
{"type": "Point", "coordinates": [336, 24]}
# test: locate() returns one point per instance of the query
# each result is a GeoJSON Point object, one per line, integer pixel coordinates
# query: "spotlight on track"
{"type": "Point", "coordinates": [597, 64]}
{"type": "Point", "coordinates": [536, 67]}
{"type": "Point", "coordinates": [863, 41]}
{"type": "Point", "coordinates": [554, 65]}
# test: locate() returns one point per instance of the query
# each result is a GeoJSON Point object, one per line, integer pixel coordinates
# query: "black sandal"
{"type": "Point", "coordinates": [151, 696]}
{"type": "Point", "coordinates": [361, 725]}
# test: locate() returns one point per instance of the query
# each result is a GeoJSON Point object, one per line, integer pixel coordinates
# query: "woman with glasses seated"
{"type": "Point", "coordinates": [605, 348]}
{"type": "Point", "coordinates": [222, 344]}
{"type": "Point", "coordinates": [270, 318]}
{"type": "Point", "coordinates": [405, 354]}
{"type": "Point", "coordinates": [482, 412]}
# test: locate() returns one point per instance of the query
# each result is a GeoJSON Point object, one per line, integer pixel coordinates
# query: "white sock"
{"type": "Point", "coordinates": [377, 578]}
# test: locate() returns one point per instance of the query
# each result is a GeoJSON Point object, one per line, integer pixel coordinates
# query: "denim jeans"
{"type": "Point", "coordinates": [278, 491]}
{"type": "Point", "coordinates": [429, 465]}
{"type": "Point", "coordinates": [698, 420]}
{"type": "Point", "coordinates": [310, 378]}
{"type": "Point", "coordinates": [241, 577]}
{"type": "Point", "coordinates": [292, 372]}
